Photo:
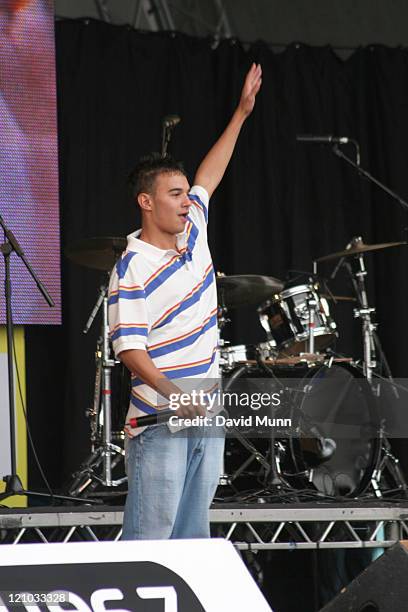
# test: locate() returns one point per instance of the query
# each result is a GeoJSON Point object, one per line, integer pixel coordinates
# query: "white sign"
{"type": "Point", "coordinates": [177, 575]}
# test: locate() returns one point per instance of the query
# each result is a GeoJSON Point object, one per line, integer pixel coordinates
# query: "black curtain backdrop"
{"type": "Point", "coordinates": [280, 205]}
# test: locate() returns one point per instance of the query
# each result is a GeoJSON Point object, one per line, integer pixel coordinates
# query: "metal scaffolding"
{"type": "Point", "coordinates": [160, 15]}
{"type": "Point", "coordinates": [248, 527]}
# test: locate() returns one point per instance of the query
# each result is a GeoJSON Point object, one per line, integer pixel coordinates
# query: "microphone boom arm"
{"type": "Point", "coordinates": [335, 149]}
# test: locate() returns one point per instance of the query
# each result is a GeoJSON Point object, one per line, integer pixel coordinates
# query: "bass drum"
{"type": "Point", "coordinates": [339, 400]}
{"type": "Point", "coordinates": [334, 402]}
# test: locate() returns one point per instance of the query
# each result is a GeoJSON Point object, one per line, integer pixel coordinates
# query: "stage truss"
{"type": "Point", "coordinates": [248, 527]}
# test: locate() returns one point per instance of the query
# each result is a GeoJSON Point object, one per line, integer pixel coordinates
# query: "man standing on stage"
{"type": "Point", "coordinates": [163, 323]}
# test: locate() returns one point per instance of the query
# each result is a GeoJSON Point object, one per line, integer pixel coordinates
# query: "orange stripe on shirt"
{"type": "Point", "coordinates": [187, 365]}
{"type": "Point", "coordinates": [166, 265]}
{"type": "Point", "coordinates": [154, 346]}
{"type": "Point", "coordinates": [189, 294]}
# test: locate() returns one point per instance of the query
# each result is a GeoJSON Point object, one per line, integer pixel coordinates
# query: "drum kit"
{"type": "Point", "coordinates": [300, 332]}
{"type": "Point", "coordinates": [331, 390]}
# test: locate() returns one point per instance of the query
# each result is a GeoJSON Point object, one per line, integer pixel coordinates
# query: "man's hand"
{"type": "Point", "coordinates": [191, 410]}
{"type": "Point", "coordinates": [252, 85]}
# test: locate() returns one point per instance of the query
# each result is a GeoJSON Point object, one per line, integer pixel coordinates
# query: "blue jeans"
{"type": "Point", "coordinates": [172, 479]}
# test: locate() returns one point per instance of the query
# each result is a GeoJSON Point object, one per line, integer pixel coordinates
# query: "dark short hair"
{"type": "Point", "coordinates": [148, 168]}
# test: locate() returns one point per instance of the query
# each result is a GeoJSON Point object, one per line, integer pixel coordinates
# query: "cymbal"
{"type": "Point", "coordinates": [357, 248]}
{"type": "Point", "coordinates": [246, 289]}
{"type": "Point", "coordinates": [99, 253]}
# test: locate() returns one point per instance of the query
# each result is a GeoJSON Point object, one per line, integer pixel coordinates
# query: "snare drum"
{"type": "Point", "coordinates": [286, 319]}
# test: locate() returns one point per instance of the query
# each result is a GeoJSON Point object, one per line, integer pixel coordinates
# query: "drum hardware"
{"type": "Point", "coordinates": [228, 479]}
{"type": "Point", "coordinates": [104, 452]}
{"type": "Point", "coordinates": [101, 254]}
{"type": "Point", "coordinates": [371, 342]}
{"type": "Point", "coordinates": [356, 249]}
{"type": "Point", "coordinates": [388, 461]}
{"type": "Point", "coordinates": [222, 318]}
{"type": "Point", "coordinates": [274, 480]}
{"type": "Point", "coordinates": [93, 412]}
{"type": "Point", "coordinates": [237, 354]}
{"type": "Point", "coordinates": [231, 357]}
{"type": "Point", "coordinates": [85, 480]}
{"type": "Point", "coordinates": [270, 458]}
{"type": "Point", "coordinates": [263, 318]}
{"type": "Point", "coordinates": [321, 447]}
{"type": "Point", "coordinates": [365, 314]}
{"type": "Point", "coordinates": [317, 461]}
{"type": "Point", "coordinates": [371, 347]}
{"type": "Point", "coordinates": [312, 307]}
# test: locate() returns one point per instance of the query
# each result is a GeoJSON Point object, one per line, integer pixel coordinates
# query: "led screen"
{"type": "Point", "coordinates": [28, 156]}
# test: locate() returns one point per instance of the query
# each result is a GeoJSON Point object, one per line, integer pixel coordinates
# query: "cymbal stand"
{"type": "Point", "coordinates": [365, 313]}
{"type": "Point", "coordinates": [311, 307]}
{"type": "Point", "coordinates": [107, 453]}
{"type": "Point", "coordinates": [109, 449]}
{"type": "Point", "coordinates": [387, 460]}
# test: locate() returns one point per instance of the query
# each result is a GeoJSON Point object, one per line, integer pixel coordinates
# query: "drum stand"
{"type": "Point", "coordinates": [270, 467]}
{"type": "Point", "coordinates": [312, 307]}
{"type": "Point", "coordinates": [228, 479]}
{"type": "Point", "coordinates": [274, 480]}
{"type": "Point", "coordinates": [364, 313]}
{"type": "Point", "coordinates": [371, 342]}
{"type": "Point", "coordinates": [107, 454]}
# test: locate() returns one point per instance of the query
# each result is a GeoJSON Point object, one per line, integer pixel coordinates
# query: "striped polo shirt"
{"type": "Point", "coordinates": [165, 302]}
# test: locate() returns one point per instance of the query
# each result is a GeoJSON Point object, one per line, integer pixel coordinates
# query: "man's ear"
{"type": "Point", "coordinates": [144, 200]}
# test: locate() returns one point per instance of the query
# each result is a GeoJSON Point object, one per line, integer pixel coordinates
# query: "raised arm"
{"type": "Point", "coordinates": [214, 164]}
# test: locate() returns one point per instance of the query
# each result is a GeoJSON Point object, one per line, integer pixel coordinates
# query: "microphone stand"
{"type": "Point", "coordinates": [13, 482]}
{"type": "Point", "coordinates": [335, 149]}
